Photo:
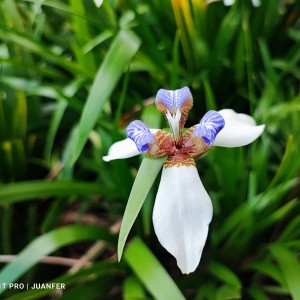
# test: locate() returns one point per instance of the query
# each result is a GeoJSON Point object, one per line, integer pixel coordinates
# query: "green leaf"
{"type": "Point", "coordinates": [268, 268]}
{"type": "Point", "coordinates": [289, 163]}
{"type": "Point", "coordinates": [257, 294]}
{"type": "Point", "coordinates": [20, 116]}
{"type": "Point", "coordinates": [97, 40]}
{"type": "Point", "coordinates": [57, 117]}
{"type": "Point", "coordinates": [49, 243]}
{"type": "Point", "coordinates": [228, 292]}
{"type": "Point", "coordinates": [144, 180]}
{"type": "Point", "coordinates": [209, 96]}
{"type": "Point", "coordinates": [99, 270]}
{"type": "Point", "coordinates": [152, 116]}
{"type": "Point", "coordinates": [291, 230]}
{"type": "Point", "coordinates": [27, 42]}
{"type": "Point", "coordinates": [149, 270]}
{"type": "Point", "coordinates": [277, 215]}
{"type": "Point", "coordinates": [225, 274]}
{"type": "Point", "coordinates": [290, 268]}
{"type": "Point", "coordinates": [117, 58]}
{"type": "Point", "coordinates": [81, 29]}
{"type": "Point", "coordinates": [133, 290]}
{"type": "Point", "coordinates": [30, 190]}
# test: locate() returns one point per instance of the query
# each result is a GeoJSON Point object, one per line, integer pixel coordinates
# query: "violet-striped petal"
{"type": "Point", "coordinates": [141, 135]}
{"type": "Point", "coordinates": [210, 125]}
{"type": "Point", "coordinates": [175, 105]}
{"type": "Point", "coordinates": [173, 100]}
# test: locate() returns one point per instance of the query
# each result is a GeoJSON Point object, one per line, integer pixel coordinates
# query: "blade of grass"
{"type": "Point", "coordinates": [175, 63]}
{"type": "Point", "coordinates": [133, 289]}
{"type": "Point", "coordinates": [268, 268]}
{"type": "Point", "coordinates": [2, 117]}
{"type": "Point", "coordinates": [144, 180]}
{"type": "Point", "coordinates": [185, 27]}
{"type": "Point", "coordinates": [56, 119]}
{"type": "Point", "coordinates": [27, 42]}
{"type": "Point", "coordinates": [60, 6]}
{"type": "Point", "coordinates": [152, 117]}
{"type": "Point", "coordinates": [46, 244]}
{"type": "Point", "coordinates": [249, 59]}
{"type": "Point", "coordinates": [20, 116]}
{"type": "Point", "coordinates": [224, 274]}
{"type": "Point", "coordinates": [118, 57]}
{"type": "Point", "coordinates": [149, 270]}
{"type": "Point", "coordinates": [6, 224]}
{"type": "Point", "coordinates": [20, 159]}
{"type": "Point", "coordinates": [30, 190]}
{"type": "Point", "coordinates": [290, 268]}
{"type": "Point", "coordinates": [209, 96]}
{"type": "Point", "coordinates": [81, 30]}
{"type": "Point", "coordinates": [98, 270]}
{"type": "Point", "coordinates": [227, 291]}
{"type": "Point", "coordinates": [97, 40]}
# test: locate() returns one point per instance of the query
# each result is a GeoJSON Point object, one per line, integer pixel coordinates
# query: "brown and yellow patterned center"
{"type": "Point", "coordinates": [183, 154]}
{"type": "Point", "coordinates": [179, 160]}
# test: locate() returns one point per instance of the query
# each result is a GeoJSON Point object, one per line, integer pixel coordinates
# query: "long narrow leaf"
{"type": "Point", "coordinates": [290, 268]}
{"type": "Point", "coordinates": [149, 270]}
{"type": "Point", "coordinates": [98, 269]}
{"type": "Point", "coordinates": [118, 57]}
{"type": "Point", "coordinates": [36, 189]}
{"type": "Point", "coordinates": [30, 44]}
{"type": "Point", "coordinates": [46, 244]}
{"type": "Point", "coordinates": [133, 289]}
{"type": "Point", "coordinates": [144, 180]}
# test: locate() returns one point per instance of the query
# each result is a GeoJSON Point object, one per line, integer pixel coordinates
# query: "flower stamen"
{"type": "Point", "coordinates": [174, 123]}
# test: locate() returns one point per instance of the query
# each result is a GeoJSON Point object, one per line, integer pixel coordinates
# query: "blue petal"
{"type": "Point", "coordinates": [140, 134]}
{"type": "Point", "coordinates": [173, 99]}
{"type": "Point", "coordinates": [209, 126]}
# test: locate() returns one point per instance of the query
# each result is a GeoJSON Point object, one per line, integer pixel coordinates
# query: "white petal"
{"type": "Point", "coordinates": [228, 2]}
{"type": "Point", "coordinates": [98, 3]}
{"type": "Point", "coordinates": [239, 129]}
{"type": "Point", "coordinates": [122, 149]}
{"type": "Point", "coordinates": [256, 3]}
{"type": "Point", "coordinates": [231, 115]}
{"type": "Point", "coordinates": [181, 215]}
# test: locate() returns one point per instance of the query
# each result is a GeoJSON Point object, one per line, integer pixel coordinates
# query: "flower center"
{"type": "Point", "coordinates": [178, 145]}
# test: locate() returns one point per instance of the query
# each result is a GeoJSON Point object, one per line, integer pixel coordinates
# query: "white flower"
{"type": "Point", "coordinates": [183, 209]}
{"type": "Point", "coordinates": [255, 3]}
{"type": "Point", "coordinates": [98, 3]}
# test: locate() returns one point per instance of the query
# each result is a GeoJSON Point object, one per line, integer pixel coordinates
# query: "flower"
{"type": "Point", "coordinates": [183, 209]}
{"type": "Point", "coordinates": [98, 3]}
{"type": "Point", "coordinates": [255, 3]}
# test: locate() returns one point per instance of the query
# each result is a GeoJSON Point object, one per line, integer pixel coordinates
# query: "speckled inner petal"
{"type": "Point", "coordinates": [162, 146]}
{"type": "Point", "coordinates": [209, 126]}
{"type": "Point", "coordinates": [195, 144]}
{"type": "Point", "coordinates": [141, 135]}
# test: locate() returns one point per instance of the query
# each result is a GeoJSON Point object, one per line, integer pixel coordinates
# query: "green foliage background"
{"type": "Point", "coordinates": [73, 75]}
